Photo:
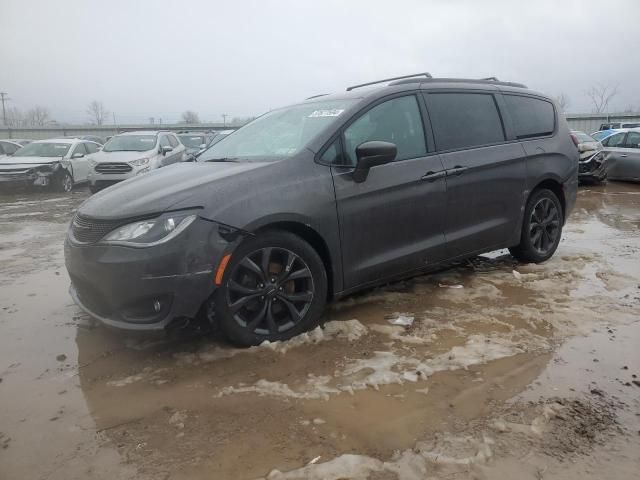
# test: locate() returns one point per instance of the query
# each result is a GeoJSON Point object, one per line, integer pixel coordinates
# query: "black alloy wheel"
{"type": "Point", "coordinates": [274, 287]}
{"type": "Point", "coordinates": [544, 225]}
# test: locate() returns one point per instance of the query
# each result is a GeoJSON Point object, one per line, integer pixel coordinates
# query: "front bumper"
{"type": "Point", "coordinates": [97, 178]}
{"type": "Point", "coordinates": [26, 178]}
{"type": "Point", "coordinates": [595, 167]}
{"type": "Point", "coordinates": [146, 288]}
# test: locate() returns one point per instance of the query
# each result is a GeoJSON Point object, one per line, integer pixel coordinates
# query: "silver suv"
{"type": "Point", "coordinates": [133, 153]}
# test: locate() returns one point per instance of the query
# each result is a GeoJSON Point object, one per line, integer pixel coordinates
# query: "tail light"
{"type": "Point", "coordinates": [574, 138]}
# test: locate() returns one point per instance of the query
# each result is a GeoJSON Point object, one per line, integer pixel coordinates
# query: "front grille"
{"type": "Point", "coordinates": [113, 167]}
{"type": "Point", "coordinates": [89, 230]}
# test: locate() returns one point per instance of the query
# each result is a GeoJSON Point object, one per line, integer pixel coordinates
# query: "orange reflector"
{"type": "Point", "coordinates": [221, 268]}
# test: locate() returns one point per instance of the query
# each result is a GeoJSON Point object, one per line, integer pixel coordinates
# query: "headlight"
{"type": "Point", "coordinates": [147, 233]}
{"type": "Point", "coordinates": [139, 162]}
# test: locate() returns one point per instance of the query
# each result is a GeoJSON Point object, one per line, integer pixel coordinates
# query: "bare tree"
{"type": "Point", "coordinates": [97, 113]}
{"type": "Point", "coordinates": [563, 102]}
{"type": "Point", "coordinates": [601, 96]}
{"type": "Point", "coordinates": [190, 117]}
{"type": "Point", "coordinates": [15, 117]}
{"type": "Point", "coordinates": [38, 116]}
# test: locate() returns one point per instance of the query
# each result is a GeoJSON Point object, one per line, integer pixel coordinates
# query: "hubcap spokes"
{"type": "Point", "coordinates": [270, 290]}
{"type": "Point", "coordinates": [544, 225]}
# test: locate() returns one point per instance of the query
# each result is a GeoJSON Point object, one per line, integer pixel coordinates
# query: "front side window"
{"type": "Point", "coordinates": [532, 117]}
{"type": "Point", "coordinates": [173, 141]}
{"type": "Point", "coordinates": [80, 148]}
{"type": "Point", "coordinates": [633, 140]}
{"type": "Point", "coordinates": [616, 140]}
{"type": "Point", "coordinates": [8, 148]}
{"type": "Point", "coordinates": [130, 143]}
{"type": "Point", "coordinates": [164, 141]}
{"type": "Point", "coordinates": [44, 149]}
{"type": "Point", "coordinates": [91, 147]}
{"type": "Point", "coordinates": [278, 134]}
{"type": "Point", "coordinates": [397, 121]}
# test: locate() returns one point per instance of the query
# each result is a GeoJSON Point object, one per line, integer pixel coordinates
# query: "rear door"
{"type": "Point", "coordinates": [392, 222]}
{"type": "Point", "coordinates": [627, 165]}
{"type": "Point", "coordinates": [485, 174]}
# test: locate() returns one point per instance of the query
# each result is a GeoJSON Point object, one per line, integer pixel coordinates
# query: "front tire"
{"type": "Point", "coordinates": [275, 287]}
{"type": "Point", "coordinates": [63, 182]}
{"type": "Point", "coordinates": [541, 228]}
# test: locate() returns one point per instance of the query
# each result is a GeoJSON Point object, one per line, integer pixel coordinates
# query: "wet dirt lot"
{"type": "Point", "coordinates": [505, 371]}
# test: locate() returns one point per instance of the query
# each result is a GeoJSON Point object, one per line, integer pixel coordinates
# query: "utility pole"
{"type": "Point", "coordinates": [224, 119]}
{"type": "Point", "coordinates": [4, 112]}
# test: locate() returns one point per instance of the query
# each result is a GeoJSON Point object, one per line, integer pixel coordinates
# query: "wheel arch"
{"type": "Point", "coordinates": [313, 238]}
{"type": "Point", "coordinates": [556, 187]}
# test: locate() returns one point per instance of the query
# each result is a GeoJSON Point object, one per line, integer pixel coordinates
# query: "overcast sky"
{"type": "Point", "coordinates": [158, 58]}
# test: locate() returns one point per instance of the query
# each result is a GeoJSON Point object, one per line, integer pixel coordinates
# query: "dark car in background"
{"type": "Point", "coordinates": [315, 201]}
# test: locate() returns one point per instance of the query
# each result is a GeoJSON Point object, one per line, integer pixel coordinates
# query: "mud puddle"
{"type": "Point", "coordinates": [491, 364]}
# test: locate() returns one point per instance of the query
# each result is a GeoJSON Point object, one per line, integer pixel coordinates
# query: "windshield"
{"type": "Point", "coordinates": [44, 149]}
{"type": "Point", "coordinates": [192, 141]}
{"type": "Point", "coordinates": [130, 143]}
{"type": "Point", "coordinates": [277, 134]}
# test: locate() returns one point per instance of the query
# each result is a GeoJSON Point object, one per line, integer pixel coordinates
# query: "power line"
{"type": "Point", "coordinates": [4, 112]}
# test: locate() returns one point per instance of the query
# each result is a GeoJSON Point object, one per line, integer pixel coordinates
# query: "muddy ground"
{"type": "Point", "coordinates": [505, 371]}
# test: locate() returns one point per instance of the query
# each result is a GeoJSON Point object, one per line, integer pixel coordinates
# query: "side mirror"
{"type": "Point", "coordinates": [371, 154]}
{"type": "Point", "coordinates": [166, 149]}
{"type": "Point", "coordinates": [77, 155]}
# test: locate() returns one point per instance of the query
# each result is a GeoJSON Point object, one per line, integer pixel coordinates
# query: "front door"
{"type": "Point", "coordinates": [392, 222]}
{"type": "Point", "coordinates": [485, 176]}
{"type": "Point", "coordinates": [79, 165]}
{"type": "Point", "coordinates": [626, 154]}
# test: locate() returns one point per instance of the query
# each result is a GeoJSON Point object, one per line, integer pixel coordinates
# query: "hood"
{"type": "Point", "coordinates": [103, 156]}
{"type": "Point", "coordinates": [163, 189]}
{"type": "Point", "coordinates": [13, 160]}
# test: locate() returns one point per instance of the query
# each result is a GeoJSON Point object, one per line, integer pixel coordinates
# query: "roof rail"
{"type": "Point", "coordinates": [316, 96]}
{"type": "Point", "coordinates": [425, 74]}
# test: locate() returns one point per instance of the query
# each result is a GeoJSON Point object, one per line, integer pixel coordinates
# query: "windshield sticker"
{"type": "Point", "coordinates": [326, 113]}
{"type": "Point", "coordinates": [148, 140]}
{"type": "Point", "coordinates": [61, 147]}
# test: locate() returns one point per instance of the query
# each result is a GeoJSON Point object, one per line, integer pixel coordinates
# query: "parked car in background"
{"type": "Point", "coordinates": [133, 153]}
{"type": "Point", "coordinates": [616, 125]}
{"type": "Point", "coordinates": [9, 147]}
{"type": "Point", "coordinates": [59, 163]}
{"type": "Point", "coordinates": [314, 201]}
{"type": "Point", "coordinates": [593, 162]}
{"type": "Point", "coordinates": [195, 142]}
{"type": "Point", "coordinates": [91, 138]}
{"type": "Point", "coordinates": [624, 149]}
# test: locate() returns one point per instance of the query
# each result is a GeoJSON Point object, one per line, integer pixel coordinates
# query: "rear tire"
{"type": "Point", "coordinates": [274, 287]}
{"type": "Point", "coordinates": [541, 228]}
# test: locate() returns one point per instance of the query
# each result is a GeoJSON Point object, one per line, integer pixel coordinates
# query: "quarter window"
{"type": "Point", "coordinates": [464, 120]}
{"type": "Point", "coordinates": [531, 117]}
{"type": "Point", "coordinates": [397, 121]}
{"type": "Point", "coordinates": [614, 140]}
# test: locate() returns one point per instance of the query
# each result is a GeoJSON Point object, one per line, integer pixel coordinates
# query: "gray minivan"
{"type": "Point", "coordinates": [314, 201]}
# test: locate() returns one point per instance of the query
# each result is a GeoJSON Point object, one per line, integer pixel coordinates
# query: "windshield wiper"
{"type": "Point", "coordinates": [223, 159]}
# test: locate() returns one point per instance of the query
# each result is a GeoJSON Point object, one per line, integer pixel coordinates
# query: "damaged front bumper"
{"type": "Point", "coordinates": [27, 175]}
{"type": "Point", "coordinates": [146, 288]}
{"type": "Point", "coordinates": [593, 166]}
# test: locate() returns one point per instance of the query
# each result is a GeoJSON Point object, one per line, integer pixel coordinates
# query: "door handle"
{"type": "Point", "coordinates": [624, 155]}
{"type": "Point", "coordinates": [433, 176]}
{"type": "Point", "coordinates": [457, 170]}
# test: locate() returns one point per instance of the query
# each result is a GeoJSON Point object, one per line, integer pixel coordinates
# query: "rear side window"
{"type": "Point", "coordinates": [463, 120]}
{"type": "Point", "coordinates": [614, 140]}
{"type": "Point", "coordinates": [531, 117]}
{"type": "Point", "coordinates": [397, 121]}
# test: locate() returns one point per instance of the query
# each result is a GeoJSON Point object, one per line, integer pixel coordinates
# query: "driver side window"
{"type": "Point", "coordinates": [164, 141]}
{"type": "Point", "coordinates": [397, 121]}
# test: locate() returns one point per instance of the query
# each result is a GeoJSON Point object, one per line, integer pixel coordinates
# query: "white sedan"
{"type": "Point", "coordinates": [59, 163]}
